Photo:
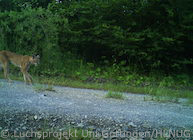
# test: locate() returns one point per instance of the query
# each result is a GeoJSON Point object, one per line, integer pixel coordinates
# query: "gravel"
{"type": "Point", "coordinates": [22, 107]}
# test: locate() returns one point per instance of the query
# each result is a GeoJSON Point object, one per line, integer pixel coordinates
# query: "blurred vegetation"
{"type": "Point", "coordinates": [136, 43]}
{"type": "Point", "coordinates": [115, 95]}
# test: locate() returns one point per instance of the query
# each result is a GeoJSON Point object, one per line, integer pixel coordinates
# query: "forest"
{"type": "Point", "coordinates": [138, 43]}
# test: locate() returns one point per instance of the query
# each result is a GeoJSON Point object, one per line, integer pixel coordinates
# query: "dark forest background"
{"type": "Point", "coordinates": [102, 39]}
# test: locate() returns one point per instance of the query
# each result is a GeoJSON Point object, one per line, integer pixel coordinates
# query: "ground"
{"type": "Point", "coordinates": [24, 107]}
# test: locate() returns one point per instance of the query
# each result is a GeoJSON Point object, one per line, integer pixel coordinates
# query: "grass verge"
{"type": "Point", "coordinates": [115, 95]}
{"type": "Point", "coordinates": [41, 88]}
{"type": "Point", "coordinates": [159, 93]}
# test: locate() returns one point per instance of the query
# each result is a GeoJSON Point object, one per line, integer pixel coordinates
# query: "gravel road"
{"type": "Point", "coordinates": [21, 106]}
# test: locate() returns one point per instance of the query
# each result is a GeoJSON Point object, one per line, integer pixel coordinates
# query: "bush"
{"type": "Point", "coordinates": [32, 31]}
{"type": "Point", "coordinates": [152, 35]}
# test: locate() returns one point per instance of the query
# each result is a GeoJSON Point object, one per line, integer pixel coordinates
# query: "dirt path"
{"type": "Point", "coordinates": [20, 103]}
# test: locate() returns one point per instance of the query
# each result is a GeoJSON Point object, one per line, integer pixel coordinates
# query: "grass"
{"type": "Point", "coordinates": [115, 95]}
{"type": "Point", "coordinates": [89, 85]}
{"type": "Point", "coordinates": [41, 88]}
{"type": "Point", "coordinates": [163, 94]}
{"type": "Point", "coordinates": [159, 93]}
{"type": "Point", "coordinates": [162, 99]}
{"type": "Point", "coordinates": [190, 101]}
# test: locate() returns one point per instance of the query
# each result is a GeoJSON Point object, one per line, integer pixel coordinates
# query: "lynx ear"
{"type": "Point", "coordinates": [35, 56]}
{"type": "Point", "coordinates": [38, 56]}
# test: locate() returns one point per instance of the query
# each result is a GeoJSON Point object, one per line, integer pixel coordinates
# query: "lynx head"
{"type": "Point", "coordinates": [35, 60]}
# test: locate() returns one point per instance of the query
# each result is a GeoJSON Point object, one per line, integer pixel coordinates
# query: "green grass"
{"type": "Point", "coordinates": [41, 88]}
{"type": "Point", "coordinates": [159, 92]}
{"type": "Point", "coordinates": [163, 94]}
{"type": "Point", "coordinates": [190, 101]}
{"type": "Point", "coordinates": [115, 95]}
{"type": "Point", "coordinates": [76, 83]}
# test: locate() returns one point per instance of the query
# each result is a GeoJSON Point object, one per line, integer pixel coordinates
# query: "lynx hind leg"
{"type": "Point", "coordinates": [4, 64]}
{"type": "Point", "coordinates": [6, 71]}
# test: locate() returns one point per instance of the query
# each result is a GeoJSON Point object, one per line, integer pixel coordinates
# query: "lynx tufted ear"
{"type": "Point", "coordinates": [36, 56]}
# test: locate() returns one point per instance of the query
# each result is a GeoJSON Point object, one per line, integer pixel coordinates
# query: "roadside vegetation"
{"type": "Point", "coordinates": [115, 95]}
{"type": "Point", "coordinates": [41, 88]}
{"type": "Point", "coordinates": [140, 46]}
{"type": "Point", "coordinates": [170, 92]}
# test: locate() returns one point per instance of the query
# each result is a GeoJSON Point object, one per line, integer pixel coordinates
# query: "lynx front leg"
{"type": "Point", "coordinates": [24, 75]}
{"type": "Point", "coordinates": [29, 77]}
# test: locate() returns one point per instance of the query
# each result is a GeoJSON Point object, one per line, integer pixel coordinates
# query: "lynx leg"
{"type": "Point", "coordinates": [24, 75]}
{"type": "Point", "coordinates": [29, 77]}
{"type": "Point", "coordinates": [6, 70]}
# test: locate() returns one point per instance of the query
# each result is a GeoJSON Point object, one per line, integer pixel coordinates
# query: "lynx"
{"type": "Point", "coordinates": [21, 61]}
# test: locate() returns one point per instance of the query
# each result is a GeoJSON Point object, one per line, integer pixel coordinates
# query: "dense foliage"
{"type": "Point", "coordinates": [148, 35]}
